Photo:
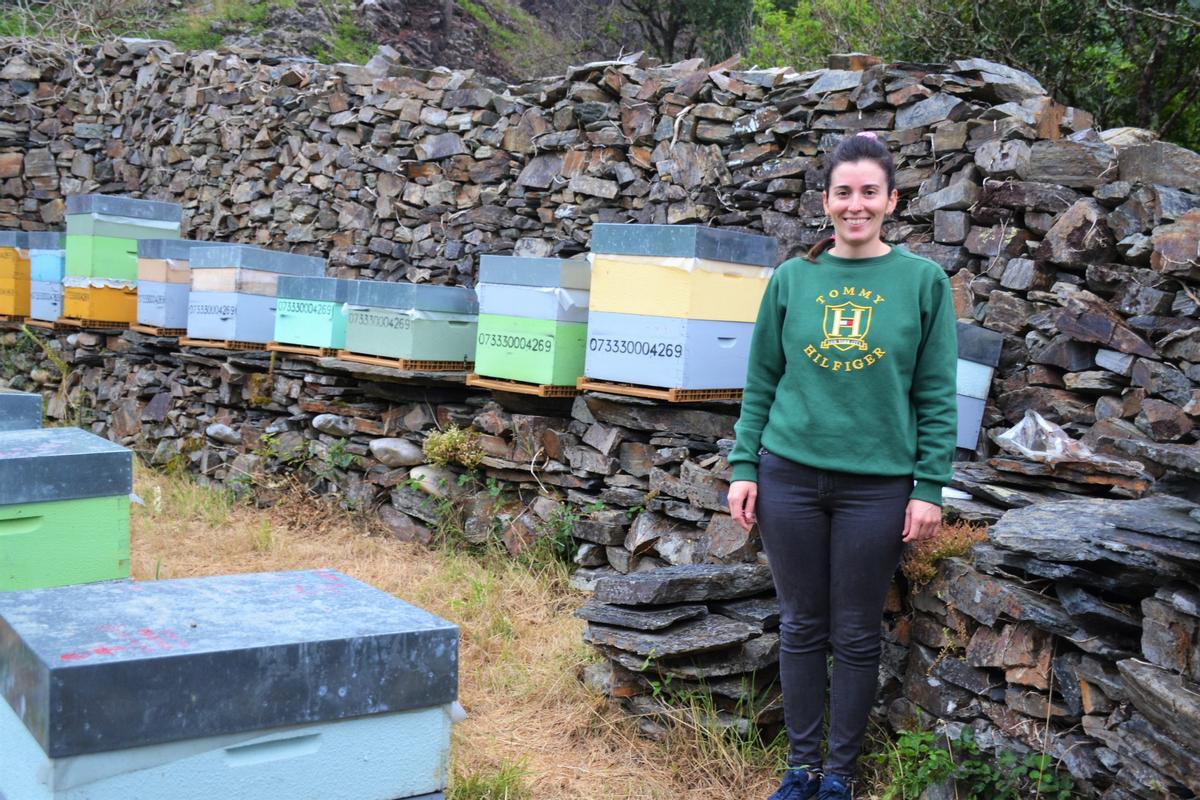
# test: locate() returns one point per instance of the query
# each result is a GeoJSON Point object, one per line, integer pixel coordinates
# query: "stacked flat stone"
{"type": "Point", "coordinates": [407, 321]}
{"type": "Point", "coordinates": [64, 504]}
{"type": "Point", "coordinates": [674, 305]}
{"type": "Point", "coordinates": [165, 280]}
{"type": "Point", "coordinates": [100, 282]}
{"type": "Point", "coordinates": [47, 267]}
{"type": "Point", "coordinates": [297, 684]}
{"type": "Point", "coordinates": [14, 274]}
{"type": "Point", "coordinates": [532, 319]}
{"type": "Point", "coordinates": [233, 290]}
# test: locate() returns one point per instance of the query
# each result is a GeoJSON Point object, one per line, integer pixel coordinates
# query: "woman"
{"type": "Point", "coordinates": [845, 440]}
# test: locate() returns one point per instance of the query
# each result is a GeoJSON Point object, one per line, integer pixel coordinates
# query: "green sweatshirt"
{"type": "Point", "coordinates": [853, 369]}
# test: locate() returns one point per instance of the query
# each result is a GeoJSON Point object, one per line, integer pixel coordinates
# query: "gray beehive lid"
{"type": "Point", "coordinates": [111, 666]}
{"type": "Point", "coordinates": [333, 290]}
{"type": "Point", "coordinates": [424, 297]}
{"type": "Point", "coordinates": [124, 207]}
{"type": "Point", "coordinates": [979, 344]}
{"type": "Point", "coordinates": [566, 273]}
{"type": "Point", "coordinates": [685, 241]}
{"type": "Point", "coordinates": [250, 257]}
{"type": "Point", "coordinates": [19, 411]}
{"type": "Point", "coordinates": [179, 249]}
{"type": "Point", "coordinates": [47, 240]}
{"type": "Point", "coordinates": [47, 464]}
{"type": "Point", "coordinates": [14, 239]}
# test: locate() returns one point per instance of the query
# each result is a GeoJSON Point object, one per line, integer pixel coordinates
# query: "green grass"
{"type": "Point", "coordinates": [351, 43]}
{"type": "Point", "coordinates": [191, 30]}
{"type": "Point", "coordinates": [505, 782]}
{"type": "Point", "coordinates": [522, 43]}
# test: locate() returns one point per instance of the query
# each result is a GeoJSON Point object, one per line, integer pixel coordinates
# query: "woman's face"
{"type": "Point", "coordinates": [857, 200]}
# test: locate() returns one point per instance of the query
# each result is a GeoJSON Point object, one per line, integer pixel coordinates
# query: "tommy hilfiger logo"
{"type": "Point", "coordinates": [846, 325]}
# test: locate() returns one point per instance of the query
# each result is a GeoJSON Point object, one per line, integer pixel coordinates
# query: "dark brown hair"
{"type": "Point", "coordinates": [860, 147]}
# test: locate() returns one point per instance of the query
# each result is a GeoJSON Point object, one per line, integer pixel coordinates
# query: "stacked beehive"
{"type": "Point", "coordinates": [64, 507]}
{"type": "Point", "coordinates": [294, 684]}
{"type": "Point", "coordinates": [312, 312]}
{"type": "Point", "coordinates": [19, 410]}
{"type": "Point", "coordinates": [532, 319]}
{"type": "Point", "coordinates": [101, 253]}
{"type": "Point", "coordinates": [14, 274]}
{"type": "Point", "coordinates": [674, 305]}
{"type": "Point", "coordinates": [234, 289]}
{"type": "Point", "coordinates": [164, 280]}
{"type": "Point", "coordinates": [412, 322]}
{"type": "Point", "coordinates": [47, 264]}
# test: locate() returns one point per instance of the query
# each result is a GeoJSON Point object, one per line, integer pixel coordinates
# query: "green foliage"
{"type": "Point", "coordinates": [517, 37]}
{"type": "Point", "coordinates": [677, 29]}
{"type": "Point", "coordinates": [351, 43]}
{"type": "Point", "coordinates": [454, 445]}
{"type": "Point", "coordinates": [194, 30]}
{"type": "Point", "coordinates": [505, 782]}
{"type": "Point", "coordinates": [803, 33]}
{"type": "Point", "coordinates": [916, 761]}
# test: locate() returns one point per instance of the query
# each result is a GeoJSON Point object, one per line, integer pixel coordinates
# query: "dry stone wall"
{"type": "Point", "coordinates": [1080, 247]}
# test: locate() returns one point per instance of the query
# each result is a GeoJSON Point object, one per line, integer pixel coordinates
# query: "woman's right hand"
{"type": "Point", "coordinates": [742, 495]}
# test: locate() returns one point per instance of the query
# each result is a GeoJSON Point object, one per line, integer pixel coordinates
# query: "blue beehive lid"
{"type": "Point", "coordinates": [61, 464]}
{"type": "Point", "coordinates": [423, 297]}
{"type": "Point", "coordinates": [565, 273]}
{"type": "Point", "coordinates": [47, 240]}
{"type": "Point", "coordinates": [180, 249]}
{"type": "Point", "coordinates": [19, 410]}
{"type": "Point", "coordinates": [333, 290]}
{"type": "Point", "coordinates": [111, 666]}
{"type": "Point", "coordinates": [249, 257]}
{"type": "Point", "coordinates": [14, 239]}
{"type": "Point", "coordinates": [685, 241]}
{"type": "Point", "coordinates": [112, 205]}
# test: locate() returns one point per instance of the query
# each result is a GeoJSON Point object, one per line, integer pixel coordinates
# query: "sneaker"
{"type": "Point", "coordinates": [798, 784]}
{"type": "Point", "coordinates": [834, 787]}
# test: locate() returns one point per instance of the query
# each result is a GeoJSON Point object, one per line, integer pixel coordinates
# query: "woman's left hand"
{"type": "Point", "coordinates": [921, 520]}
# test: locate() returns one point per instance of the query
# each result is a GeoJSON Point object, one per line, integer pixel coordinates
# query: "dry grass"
{"type": "Point", "coordinates": [529, 715]}
{"type": "Point", "coordinates": [920, 563]}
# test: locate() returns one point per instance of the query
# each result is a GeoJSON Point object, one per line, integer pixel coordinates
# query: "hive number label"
{"type": "Point", "coordinates": [395, 323]}
{"type": "Point", "coordinates": [534, 344]}
{"type": "Point", "coordinates": [635, 347]}
{"type": "Point", "coordinates": [303, 307]}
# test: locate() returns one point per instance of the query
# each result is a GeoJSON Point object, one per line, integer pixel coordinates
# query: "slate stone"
{"type": "Point", "coordinates": [333, 424]}
{"type": "Point", "coordinates": [712, 632]}
{"type": "Point", "coordinates": [686, 583]}
{"type": "Point", "coordinates": [1079, 165]}
{"type": "Point", "coordinates": [1163, 163]}
{"type": "Point", "coordinates": [439, 146]}
{"type": "Point", "coordinates": [1087, 607]}
{"type": "Point", "coordinates": [1170, 638]}
{"type": "Point", "coordinates": [941, 106]}
{"type": "Point", "coordinates": [1162, 421]}
{"type": "Point", "coordinates": [1165, 699]}
{"type": "Point", "coordinates": [834, 80]}
{"type": "Point", "coordinates": [1087, 318]}
{"type": "Point", "coordinates": [1080, 237]}
{"type": "Point", "coordinates": [1153, 534]}
{"type": "Point", "coordinates": [760, 611]}
{"type": "Point", "coordinates": [1029, 196]}
{"type": "Point", "coordinates": [689, 422]}
{"type": "Point", "coordinates": [956, 196]}
{"type": "Point", "coordinates": [639, 618]}
{"type": "Point", "coordinates": [1001, 82]}
{"type": "Point", "coordinates": [1162, 380]}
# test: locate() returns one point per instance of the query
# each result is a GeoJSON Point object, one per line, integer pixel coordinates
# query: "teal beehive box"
{"type": "Point", "coordinates": [312, 311]}
{"type": "Point", "coordinates": [64, 508]}
{"type": "Point", "coordinates": [20, 410]}
{"type": "Point", "coordinates": [532, 319]}
{"type": "Point", "coordinates": [412, 322]}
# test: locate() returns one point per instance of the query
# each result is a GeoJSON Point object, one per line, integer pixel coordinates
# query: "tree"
{"type": "Point", "coordinates": [677, 29]}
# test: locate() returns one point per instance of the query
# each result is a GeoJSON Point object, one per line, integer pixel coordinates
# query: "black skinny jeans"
{"type": "Point", "coordinates": [833, 540]}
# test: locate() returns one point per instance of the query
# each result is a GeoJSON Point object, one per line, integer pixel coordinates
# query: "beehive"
{"type": "Point", "coordinates": [164, 280]}
{"type": "Point", "coordinates": [47, 266]}
{"type": "Point", "coordinates": [14, 274]}
{"type": "Point", "coordinates": [674, 305]}
{"type": "Point", "coordinates": [411, 321]}
{"type": "Point", "coordinates": [64, 508]}
{"type": "Point", "coordinates": [312, 311]}
{"type": "Point", "coordinates": [306, 685]}
{"type": "Point", "coordinates": [233, 290]}
{"type": "Point", "coordinates": [20, 410]}
{"type": "Point", "coordinates": [532, 319]}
